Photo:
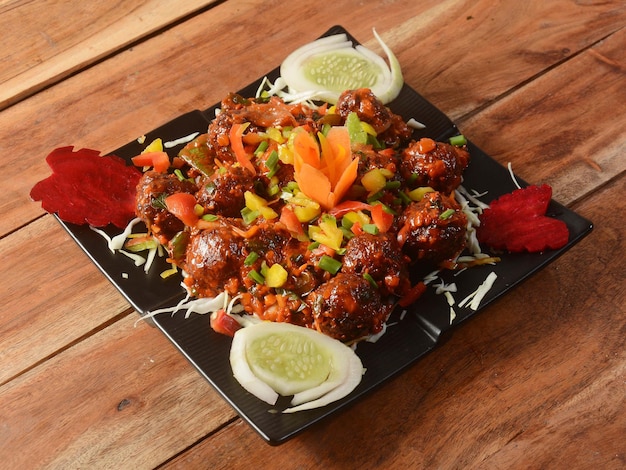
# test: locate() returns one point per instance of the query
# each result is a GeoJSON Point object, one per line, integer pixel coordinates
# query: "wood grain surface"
{"type": "Point", "coordinates": [536, 380]}
{"type": "Point", "coordinates": [46, 41]}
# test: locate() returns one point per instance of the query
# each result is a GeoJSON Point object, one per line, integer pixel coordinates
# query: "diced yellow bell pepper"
{"type": "Point", "coordinates": [275, 276]}
{"type": "Point", "coordinates": [155, 146]}
{"type": "Point", "coordinates": [306, 209]}
{"type": "Point", "coordinates": [255, 202]}
{"type": "Point", "coordinates": [418, 193]}
{"type": "Point", "coordinates": [268, 213]}
{"type": "Point", "coordinates": [327, 233]}
{"type": "Point", "coordinates": [374, 180]}
{"type": "Point", "coordinates": [359, 216]}
{"type": "Point", "coordinates": [285, 154]}
{"type": "Point", "coordinates": [275, 134]}
{"type": "Point", "coordinates": [368, 128]}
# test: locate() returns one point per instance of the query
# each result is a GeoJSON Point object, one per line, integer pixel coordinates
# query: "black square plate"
{"type": "Point", "coordinates": [422, 323]}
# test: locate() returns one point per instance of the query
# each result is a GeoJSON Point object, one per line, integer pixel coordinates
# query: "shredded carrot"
{"type": "Point", "coordinates": [413, 294]}
{"type": "Point", "coordinates": [236, 143]}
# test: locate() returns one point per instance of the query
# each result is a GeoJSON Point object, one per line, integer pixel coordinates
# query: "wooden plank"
{"type": "Point", "coordinates": [464, 55]}
{"type": "Point", "coordinates": [40, 46]}
{"type": "Point", "coordinates": [571, 144]}
{"type": "Point", "coordinates": [52, 294]}
{"type": "Point", "coordinates": [531, 382]}
{"type": "Point", "coordinates": [116, 101]}
{"type": "Point", "coordinates": [123, 397]}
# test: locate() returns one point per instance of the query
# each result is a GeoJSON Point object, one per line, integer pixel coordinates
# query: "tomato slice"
{"type": "Point", "coordinates": [223, 323]}
{"type": "Point", "coordinates": [182, 205]}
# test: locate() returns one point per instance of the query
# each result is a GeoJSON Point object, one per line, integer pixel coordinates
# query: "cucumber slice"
{"type": "Point", "coordinates": [331, 65]}
{"type": "Point", "coordinates": [270, 358]}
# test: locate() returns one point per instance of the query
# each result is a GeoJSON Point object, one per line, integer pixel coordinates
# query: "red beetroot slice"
{"type": "Point", "coordinates": [517, 222]}
{"type": "Point", "coordinates": [85, 187]}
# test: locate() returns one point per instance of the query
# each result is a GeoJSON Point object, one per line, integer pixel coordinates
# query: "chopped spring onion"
{"type": "Point", "coordinates": [329, 264]}
{"type": "Point", "coordinates": [262, 147]}
{"type": "Point", "coordinates": [272, 163]}
{"type": "Point", "coordinates": [368, 277]}
{"type": "Point", "coordinates": [251, 258]}
{"type": "Point", "coordinates": [458, 140]}
{"type": "Point", "coordinates": [256, 276]}
{"type": "Point", "coordinates": [210, 217]}
{"type": "Point", "coordinates": [370, 228]}
{"type": "Point", "coordinates": [446, 214]}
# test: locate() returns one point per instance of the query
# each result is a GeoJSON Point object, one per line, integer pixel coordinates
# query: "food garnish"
{"type": "Point", "coordinates": [323, 69]}
{"type": "Point", "coordinates": [270, 359]}
{"type": "Point", "coordinates": [517, 222]}
{"type": "Point", "coordinates": [85, 187]}
{"type": "Point", "coordinates": [324, 170]}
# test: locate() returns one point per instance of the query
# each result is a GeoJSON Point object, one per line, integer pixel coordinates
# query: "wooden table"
{"type": "Point", "coordinates": [536, 380]}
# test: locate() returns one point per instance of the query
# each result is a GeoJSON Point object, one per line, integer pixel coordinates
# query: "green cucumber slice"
{"type": "Point", "coordinates": [332, 65]}
{"type": "Point", "coordinates": [270, 359]}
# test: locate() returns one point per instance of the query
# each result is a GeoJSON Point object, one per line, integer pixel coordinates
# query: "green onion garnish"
{"type": "Point", "coordinates": [329, 264]}
{"type": "Point", "coordinates": [404, 197]}
{"type": "Point", "coordinates": [392, 184]}
{"type": "Point", "coordinates": [210, 217]}
{"type": "Point", "coordinates": [272, 163]}
{"type": "Point", "coordinates": [458, 140]}
{"type": "Point", "coordinates": [375, 197]}
{"type": "Point", "coordinates": [262, 147]}
{"type": "Point", "coordinates": [346, 223]}
{"type": "Point", "coordinates": [368, 277]}
{"type": "Point", "coordinates": [256, 277]}
{"type": "Point", "coordinates": [370, 228]}
{"type": "Point", "coordinates": [251, 258]}
{"type": "Point", "coordinates": [179, 174]}
{"type": "Point", "coordinates": [249, 215]}
{"type": "Point", "coordinates": [446, 214]}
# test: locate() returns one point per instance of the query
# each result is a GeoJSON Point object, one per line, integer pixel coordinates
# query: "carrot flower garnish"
{"type": "Point", "coordinates": [324, 169]}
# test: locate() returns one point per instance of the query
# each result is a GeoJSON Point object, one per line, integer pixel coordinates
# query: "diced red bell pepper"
{"type": "Point", "coordinates": [348, 206]}
{"type": "Point", "coordinates": [160, 161]}
{"type": "Point", "coordinates": [290, 220]}
{"type": "Point", "coordinates": [381, 218]}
